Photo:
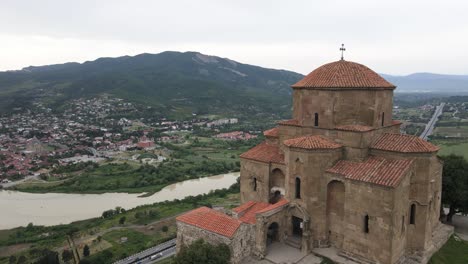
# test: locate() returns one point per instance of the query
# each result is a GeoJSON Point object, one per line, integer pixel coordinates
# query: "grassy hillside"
{"type": "Point", "coordinates": [174, 83]}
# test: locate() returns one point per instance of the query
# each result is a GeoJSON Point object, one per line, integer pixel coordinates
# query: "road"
{"type": "Point", "coordinates": [11, 184]}
{"type": "Point", "coordinates": [165, 250]}
{"type": "Point", "coordinates": [430, 126]}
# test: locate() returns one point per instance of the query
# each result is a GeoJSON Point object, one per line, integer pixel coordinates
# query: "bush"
{"type": "Point", "coordinates": [202, 252]}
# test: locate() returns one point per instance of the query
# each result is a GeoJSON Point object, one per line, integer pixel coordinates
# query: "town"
{"type": "Point", "coordinates": [33, 141]}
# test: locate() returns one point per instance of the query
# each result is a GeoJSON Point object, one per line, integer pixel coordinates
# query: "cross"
{"type": "Point", "coordinates": [342, 51]}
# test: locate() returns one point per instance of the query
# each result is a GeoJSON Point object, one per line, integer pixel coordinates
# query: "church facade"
{"type": "Point", "coordinates": [338, 174]}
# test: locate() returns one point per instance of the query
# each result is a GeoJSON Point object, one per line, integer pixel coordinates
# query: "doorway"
{"type": "Point", "coordinates": [273, 233]}
{"type": "Point", "coordinates": [297, 225]}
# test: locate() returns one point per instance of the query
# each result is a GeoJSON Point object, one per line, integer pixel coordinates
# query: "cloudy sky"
{"type": "Point", "coordinates": [390, 36]}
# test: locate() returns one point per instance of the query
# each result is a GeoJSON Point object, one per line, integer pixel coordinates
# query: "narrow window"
{"type": "Point", "coordinates": [412, 214]}
{"type": "Point", "coordinates": [366, 224]}
{"type": "Point", "coordinates": [298, 188]}
{"type": "Point", "coordinates": [383, 118]}
{"type": "Point", "coordinates": [255, 184]}
{"type": "Point", "coordinates": [402, 224]}
{"type": "Point", "coordinates": [316, 119]}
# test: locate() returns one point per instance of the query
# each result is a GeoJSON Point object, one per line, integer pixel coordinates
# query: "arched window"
{"type": "Point", "coordinates": [366, 224]}
{"type": "Point", "coordinates": [383, 118]}
{"type": "Point", "coordinates": [316, 119]}
{"type": "Point", "coordinates": [255, 184]}
{"type": "Point", "coordinates": [412, 220]}
{"type": "Point", "coordinates": [298, 188]}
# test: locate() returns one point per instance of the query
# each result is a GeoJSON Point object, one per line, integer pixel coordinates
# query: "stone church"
{"type": "Point", "coordinates": [338, 174]}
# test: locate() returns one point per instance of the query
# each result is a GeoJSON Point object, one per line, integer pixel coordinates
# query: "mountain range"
{"type": "Point", "coordinates": [180, 84]}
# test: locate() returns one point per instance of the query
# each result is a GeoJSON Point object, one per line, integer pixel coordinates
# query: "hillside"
{"type": "Point", "coordinates": [429, 83]}
{"type": "Point", "coordinates": [174, 83]}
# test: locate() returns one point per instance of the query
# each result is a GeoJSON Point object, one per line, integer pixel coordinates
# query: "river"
{"type": "Point", "coordinates": [20, 208]}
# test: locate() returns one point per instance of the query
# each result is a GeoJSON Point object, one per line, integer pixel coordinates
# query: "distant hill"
{"type": "Point", "coordinates": [429, 83]}
{"type": "Point", "coordinates": [176, 83]}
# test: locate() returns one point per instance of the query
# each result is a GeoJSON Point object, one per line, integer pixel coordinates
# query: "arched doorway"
{"type": "Point", "coordinates": [335, 211]}
{"type": "Point", "coordinates": [272, 233]}
{"type": "Point", "coordinates": [277, 181]}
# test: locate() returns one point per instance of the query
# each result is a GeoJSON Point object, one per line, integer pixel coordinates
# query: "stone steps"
{"type": "Point", "coordinates": [294, 242]}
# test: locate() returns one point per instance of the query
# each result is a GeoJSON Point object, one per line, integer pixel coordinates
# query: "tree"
{"type": "Point", "coordinates": [86, 251]}
{"type": "Point", "coordinates": [165, 229]}
{"type": "Point", "coordinates": [12, 260]}
{"type": "Point", "coordinates": [67, 255]}
{"type": "Point", "coordinates": [122, 220]}
{"type": "Point", "coordinates": [48, 257]}
{"type": "Point", "coordinates": [455, 185]}
{"type": "Point", "coordinates": [22, 259]}
{"type": "Point", "coordinates": [203, 252]}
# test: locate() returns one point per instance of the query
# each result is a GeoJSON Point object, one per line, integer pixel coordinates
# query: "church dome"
{"type": "Point", "coordinates": [344, 74]}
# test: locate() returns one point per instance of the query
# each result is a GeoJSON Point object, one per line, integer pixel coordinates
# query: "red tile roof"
{"type": "Point", "coordinates": [356, 128]}
{"type": "Point", "coordinates": [274, 206]}
{"type": "Point", "coordinates": [249, 215]}
{"type": "Point", "coordinates": [243, 206]}
{"type": "Point", "coordinates": [247, 212]}
{"type": "Point", "coordinates": [376, 170]}
{"type": "Point", "coordinates": [211, 220]}
{"type": "Point", "coordinates": [312, 142]}
{"type": "Point", "coordinates": [290, 122]}
{"type": "Point", "coordinates": [403, 143]}
{"type": "Point", "coordinates": [271, 132]}
{"type": "Point", "coordinates": [264, 153]}
{"type": "Point", "coordinates": [343, 74]}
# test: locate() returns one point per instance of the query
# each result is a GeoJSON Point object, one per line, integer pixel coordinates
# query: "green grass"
{"type": "Point", "coordinates": [458, 148]}
{"type": "Point", "coordinates": [453, 252]}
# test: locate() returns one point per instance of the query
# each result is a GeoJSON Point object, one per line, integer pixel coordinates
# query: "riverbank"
{"type": "Point", "coordinates": [19, 208]}
{"type": "Point", "coordinates": [125, 178]}
{"type": "Point", "coordinates": [142, 226]}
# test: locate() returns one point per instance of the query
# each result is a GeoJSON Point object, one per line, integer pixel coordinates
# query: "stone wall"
{"type": "Point", "coordinates": [425, 194]}
{"type": "Point", "coordinates": [349, 106]}
{"type": "Point", "coordinates": [251, 170]}
{"type": "Point", "coordinates": [376, 202]}
{"type": "Point", "coordinates": [241, 245]}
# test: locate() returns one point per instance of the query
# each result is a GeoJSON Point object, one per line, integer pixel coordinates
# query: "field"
{"type": "Point", "coordinates": [457, 132]}
{"type": "Point", "coordinates": [453, 147]}
{"type": "Point", "coordinates": [455, 251]}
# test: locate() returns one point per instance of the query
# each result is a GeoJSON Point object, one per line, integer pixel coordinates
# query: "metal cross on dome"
{"type": "Point", "coordinates": [342, 51]}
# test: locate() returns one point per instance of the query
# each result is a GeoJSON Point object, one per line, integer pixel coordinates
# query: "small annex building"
{"type": "Point", "coordinates": [338, 174]}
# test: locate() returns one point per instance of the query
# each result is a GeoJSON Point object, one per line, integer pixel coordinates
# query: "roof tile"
{"type": "Point", "coordinates": [403, 143]}
{"type": "Point", "coordinates": [312, 142]}
{"type": "Point", "coordinates": [290, 122]}
{"type": "Point", "coordinates": [343, 74]}
{"type": "Point", "coordinates": [264, 152]}
{"type": "Point", "coordinates": [248, 211]}
{"type": "Point", "coordinates": [272, 132]}
{"type": "Point", "coordinates": [376, 170]}
{"type": "Point", "coordinates": [211, 220]}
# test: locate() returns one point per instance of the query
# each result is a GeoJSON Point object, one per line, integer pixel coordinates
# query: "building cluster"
{"type": "Point", "coordinates": [235, 135]}
{"type": "Point", "coordinates": [85, 130]}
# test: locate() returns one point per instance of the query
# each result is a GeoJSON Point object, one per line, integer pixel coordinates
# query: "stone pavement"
{"type": "Point", "coordinates": [460, 223]}
{"type": "Point", "coordinates": [279, 253]}
{"type": "Point", "coordinates": [332, 253]}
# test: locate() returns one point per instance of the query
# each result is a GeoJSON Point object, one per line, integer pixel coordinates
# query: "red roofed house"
{"type": "Point", "coordinates": [338, 174]}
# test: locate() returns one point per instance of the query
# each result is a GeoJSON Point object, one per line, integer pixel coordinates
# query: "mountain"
{"type": "Point", "coordinates": [429, 83]}
{"type": "Point", "coordinates": [178, 84]}
{"type": "Point", "coordinates": [175, 83]}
